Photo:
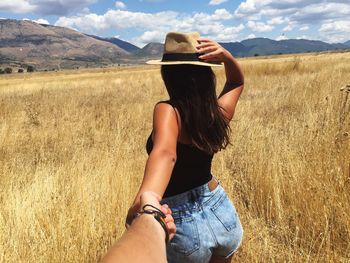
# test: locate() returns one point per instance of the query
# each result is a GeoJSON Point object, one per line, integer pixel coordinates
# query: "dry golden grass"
{"type": "Point", "coordinates": [72, 154]}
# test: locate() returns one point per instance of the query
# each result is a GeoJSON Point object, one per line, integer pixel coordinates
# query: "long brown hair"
{"type": "Point", "coordinates": [192, 91]}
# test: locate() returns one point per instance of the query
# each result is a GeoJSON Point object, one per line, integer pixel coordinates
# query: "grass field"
{"type": "Point", "coordinates": [72, 154]}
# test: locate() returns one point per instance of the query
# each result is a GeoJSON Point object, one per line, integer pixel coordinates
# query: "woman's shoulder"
{"type": "Point", "coordinates": [169, 102]}
{"type": "Point", "coordinates": [166, 111]}
{"type": "Point", "coordinates": [165, 106]}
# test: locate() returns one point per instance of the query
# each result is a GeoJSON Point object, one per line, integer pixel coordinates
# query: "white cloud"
{"type": "Point", "coordinates": [276, 21]}
{"type": "Point", "coordinates": [44, 7]}
{"type": "Point", "coordinates": [271, 8]}
{"type": "Point", "coordinates": [251, 36]}
{"type": "Point", "coordinates": [304, 28]}
{"type": "Point", "coordinates": [296, 10]}
{"type": "Point", "coordinates": [149, 36]}
{"type": "Point", "coordinates": [120, 5]}
{"type": "Point", "coordinates": [335, 31]}
{"type": "Point", "coordinates": [42, 21]}
{"type": "Point", "coordinates": [259, 26]}
{"type": "Point", "coordinates": [84, 22]}
{"type": "Point", "coordinates": [229, 34]}
{"type": "Point", "coordinates": [16, 6]}
{"type": "Point", "coordinates": [155, 25]}
{"type": "Point", "coordinates": [222, 14]}
{"type": "Point", "coordinates": [217, 2]}
{"type": "Point", "coordinates": [288, 28]}
{"type": "Point", "coordinates": [298, 14]}
{"type": "Point", "coordinates": [321, 12]}
{"type": "Point", "coordinates": [221, 34]}
{"type": "Point", "coordinates": [281, 37]}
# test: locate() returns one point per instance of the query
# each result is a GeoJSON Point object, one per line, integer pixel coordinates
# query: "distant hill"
{"type": "Point", "coordinates": [120, 43]}
{"type": "Point", "coordinates": [151, 50]}
{"type": "Point", "coordinates": [255, 47]}
{"type": "Point", "coordinates": [50, 47]}
{"type": "Point", "coordinates": [265, 46]}
{"type": "Point", "coordinates": [236, 48]}
{"type": "Point", "coordinates": [45, 46]}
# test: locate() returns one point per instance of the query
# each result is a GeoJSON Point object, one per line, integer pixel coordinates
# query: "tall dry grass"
{"type": "Point", "coordinates": [72, 154]}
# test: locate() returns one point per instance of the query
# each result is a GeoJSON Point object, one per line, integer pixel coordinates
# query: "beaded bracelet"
{"type": "Point", "coordinates": [158, 215]}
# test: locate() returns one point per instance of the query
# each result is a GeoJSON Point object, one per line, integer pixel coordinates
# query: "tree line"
{"type": "Point", "coordinates": [9, 70]}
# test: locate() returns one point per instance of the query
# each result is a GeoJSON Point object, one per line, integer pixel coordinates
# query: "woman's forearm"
{"type": "Point", "coordinates": [159, 167]}
{"type": "Point", "coordinates": [234, 74]}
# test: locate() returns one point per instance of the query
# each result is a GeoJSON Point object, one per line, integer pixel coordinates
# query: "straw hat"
{"type": "Point", "coordinates": [180, 48]}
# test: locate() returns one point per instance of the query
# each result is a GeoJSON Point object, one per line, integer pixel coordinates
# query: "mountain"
{"type": "Point", "coordinates": [151, 50]}
{"type": "Point", "coordinates": [120, 43]}
{"type": "Point", "coordinates": [26, 42]}
{"type": "Point", "coordinates": [236, 48]}
{"type": "Point", "coordinates": [265, 46]}
{"type": "Point", "coordinates": [255, 47]}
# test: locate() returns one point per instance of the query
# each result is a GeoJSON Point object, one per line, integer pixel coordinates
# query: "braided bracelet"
{"type": "Point", "coordinates": [158, 215]}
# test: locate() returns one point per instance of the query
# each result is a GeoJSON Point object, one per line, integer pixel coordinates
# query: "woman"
{"type": "Point", "coordinates": [187, 131]}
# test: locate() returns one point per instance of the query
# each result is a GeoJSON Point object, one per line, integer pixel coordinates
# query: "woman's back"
{"type": "Point", "coordinates": [192, 167]}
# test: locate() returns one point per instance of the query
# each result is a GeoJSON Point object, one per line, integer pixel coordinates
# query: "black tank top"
{"type": "Point", "coordinates": [192, 168]}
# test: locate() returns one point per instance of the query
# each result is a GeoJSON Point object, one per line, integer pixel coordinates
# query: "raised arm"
{"type": "Point", "coordinates": [162, 158]}
{"type": "Point", "coordinates": [213, 52]}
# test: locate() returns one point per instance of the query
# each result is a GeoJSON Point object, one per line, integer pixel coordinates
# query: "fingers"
{"type": "Point", "coordinates": [210, 51]}
{"type": "Point", "coordinates": [169, 220]}
{"type": "Point", "coordinates": [203, 39]}
{"type": "Point", "coordinates": [165, 209]}
{"type": "Point", "coordinates": [172, 229]}
{"type": "Point", "coordinates": [214, 55]}
{"type": "Point", "coordinates": [171, 226]}
{"type": "Point", "coordinates": [207, 49]}
{"type": "Point", "coordinates": [202, 45]}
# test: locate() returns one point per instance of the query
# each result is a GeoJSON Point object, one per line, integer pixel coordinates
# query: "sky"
{"type": "Point", "coordinates": [144, 21]}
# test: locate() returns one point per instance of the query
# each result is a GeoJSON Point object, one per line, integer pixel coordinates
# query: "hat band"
{"type": "Point", "coordinates": [181, 57]}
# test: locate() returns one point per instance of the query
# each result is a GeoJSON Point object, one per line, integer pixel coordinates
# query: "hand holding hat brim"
{"type": "Point", "coordinates": [181, 48]}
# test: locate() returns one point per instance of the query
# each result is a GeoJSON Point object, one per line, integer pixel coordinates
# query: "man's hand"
{"type": "Point", "coordinates": [151, 198]}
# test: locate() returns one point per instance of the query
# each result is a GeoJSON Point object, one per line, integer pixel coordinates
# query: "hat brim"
{"type": "Point", "coordinates": [199, 63]}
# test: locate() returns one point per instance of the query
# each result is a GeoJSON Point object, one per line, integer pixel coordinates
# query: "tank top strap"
{"type": "Point", "coordinates": [167, 102]}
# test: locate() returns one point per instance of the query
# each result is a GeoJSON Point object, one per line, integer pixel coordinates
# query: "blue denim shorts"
{"type": "Point", "coordinates": [206, 224]}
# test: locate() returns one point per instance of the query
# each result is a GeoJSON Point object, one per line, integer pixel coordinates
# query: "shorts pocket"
{"type": "Point", "coordinates": [225, 212]}
{"type": "Point", "coordinates": [186, 239]}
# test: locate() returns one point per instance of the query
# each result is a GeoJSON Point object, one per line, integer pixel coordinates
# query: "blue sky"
{"type": "Point", "coordinates": [144, 21]}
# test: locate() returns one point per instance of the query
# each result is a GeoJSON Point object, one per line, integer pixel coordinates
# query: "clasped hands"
{"type": "Point", "coordinates": [153, 199]}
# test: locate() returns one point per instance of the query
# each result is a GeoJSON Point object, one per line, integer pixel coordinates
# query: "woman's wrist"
{"type": "Point", "coordinates": [228, 57]}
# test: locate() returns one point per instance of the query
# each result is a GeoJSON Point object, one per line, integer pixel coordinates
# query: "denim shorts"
{"type": "Point", "coordinates": [207, 224]}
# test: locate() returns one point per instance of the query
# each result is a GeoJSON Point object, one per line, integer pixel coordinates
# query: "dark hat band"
{"type": "Point", "coordinates": [175, 57]}
{"type": "Point", "coordinates": [167, 57]}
